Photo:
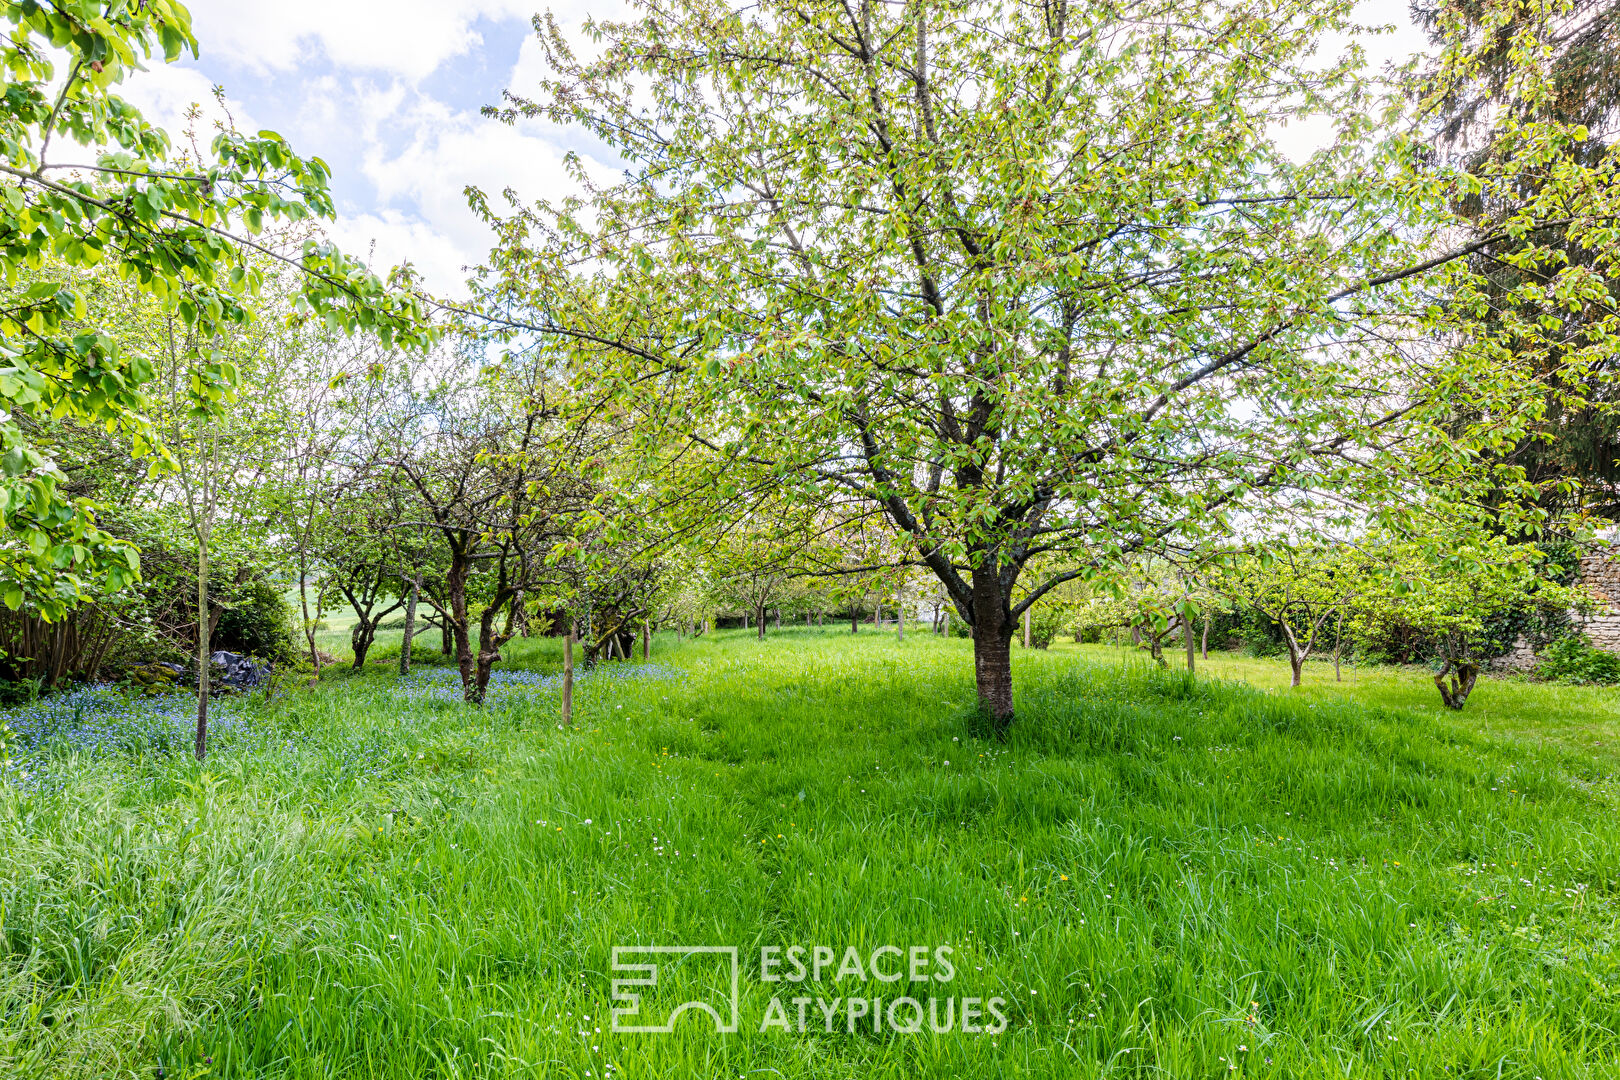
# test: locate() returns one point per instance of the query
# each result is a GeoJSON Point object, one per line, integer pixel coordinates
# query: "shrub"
{"type": "Point", "coordinates": [260, 624]}
{"type": "Point", "coordinates": [1572, 659]}
{"type": "Point", "coordinates": [15, 692]}
{"type": "Point", "coordinates": [1044, 625]}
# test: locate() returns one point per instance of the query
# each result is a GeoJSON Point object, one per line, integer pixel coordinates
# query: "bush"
{"type": "Point", "coordinates": [1044, 625]}
{"type": "Point", "coordinates": [260, 624]}
{"type": "Point", "coordinates": [1573, 660]}
{"type": "Point", "coordinates": [1259, 634]}
{"type": "Point", "coordinates": [15, 692]}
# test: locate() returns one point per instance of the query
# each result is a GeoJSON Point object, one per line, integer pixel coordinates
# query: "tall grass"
{"type": "Point", "coordinates": [1162, 876]}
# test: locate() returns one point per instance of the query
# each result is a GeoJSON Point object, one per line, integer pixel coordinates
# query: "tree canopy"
{"type": "Point", "coordinates": [1037, 280]}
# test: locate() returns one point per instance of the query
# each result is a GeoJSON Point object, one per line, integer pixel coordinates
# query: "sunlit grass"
{"type": "Point", "coordinates": [1162, 877]}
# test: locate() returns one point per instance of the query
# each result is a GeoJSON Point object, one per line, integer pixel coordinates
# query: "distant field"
{"type": "Point", "coordinates": [1155, 876]}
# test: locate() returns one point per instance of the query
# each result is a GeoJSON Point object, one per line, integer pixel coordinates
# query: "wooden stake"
{"type": "Point", "coordinates": [568, 680]}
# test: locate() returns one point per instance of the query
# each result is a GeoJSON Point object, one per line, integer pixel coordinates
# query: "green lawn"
{"type": "Point", "coordinates": [1159, 877]}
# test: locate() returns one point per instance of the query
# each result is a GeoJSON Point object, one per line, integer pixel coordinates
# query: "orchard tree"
{"type": "Point", "coordinates": [357, 556]}
{"type": "Point", "coordinates": [1302, 588]}
{"type": "Point", "coordinates": [1451, 592]}
{"type": "Point", "coordinates": [1036, 280]}
{"type": "Point", "coordinates": [749, 571]}
{"type": "Point", "coordinates": [495, 477]}
{"type": "Point", "coordinates": [1153, 602]}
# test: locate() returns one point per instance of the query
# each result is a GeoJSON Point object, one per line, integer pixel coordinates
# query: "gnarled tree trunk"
{"type": "Point", "coordinates": [1463, 674]}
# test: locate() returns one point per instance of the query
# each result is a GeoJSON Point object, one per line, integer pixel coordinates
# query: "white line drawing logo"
{"type": "Point", "coordinates": [648, 972]}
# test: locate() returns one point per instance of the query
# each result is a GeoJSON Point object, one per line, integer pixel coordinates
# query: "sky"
{"type": "Point", "coordinates": [388, 93]}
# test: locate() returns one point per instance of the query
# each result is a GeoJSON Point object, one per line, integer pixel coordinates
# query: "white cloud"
{"type": "Point", "coordinates": [402, 157]}
{"type": "Point", "coordinates": [410, 38]}
{"type": "Point", "coordinates": [441, 154]}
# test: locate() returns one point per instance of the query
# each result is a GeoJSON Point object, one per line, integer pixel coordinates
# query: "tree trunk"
{"type": "Point", "coordinates": [456, 622]}
{"type": "Point", "coordinates": [410, 631]}
{"type": "Point", "coordinates": [992, 675]}
{"type": "Point", "coordinates": [58, 655]}
{"type": "Point", "coordinates": [854, 619]}
{"type": "Point", "coordinates": [646, 640]}
{"type": "Point", "coordinates": [1203, 645]}
{"type": "Point", "coordinates": [1463, 675]}
{"type": "Point", "coordinates": [1296, 659]}
{"type": "Point", "coordinates": [1187, 637]}
{"type": "Point", "coordinates": [1026, 627]}
{"type": "Point", "coordinates": [489, 651]}
{"type": "Point", "coordinates": [900, 619]}
{"type": "Point", "coordinates": [761, 621]}
{"type": "Point", "coordinates": [361, 637]}
{"type": "Point", "coordinates": [203, 665]}
{"type": "Point", "coordinates": [309, 623]}
{"type": "Point", "coordinates": [945, 621]}
{"type": "Point", "coordinates": [993, 628]}
{"type": "Point", "coordinates": [446, 643]}
{"type": "Point", "coordinates": [568, 679]}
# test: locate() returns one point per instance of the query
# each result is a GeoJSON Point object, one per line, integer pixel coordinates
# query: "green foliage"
{"type": "Point", "coordinates": [261, 623]}
{"type": "Point", "coordinates": [812, 274]}
{"type": "Point", "coordinates": [141, 214]}
{"type": "Point", "coordinates": [1256, 632]}
{"type": "Point", "coordinates": [18, 691]}
{"type": "Point", "coordinates": [1045, 624]}
{"type": "Point", "coordinates": [1573, 660]}
{"type": "Point", "coordinates": [1457, 597]}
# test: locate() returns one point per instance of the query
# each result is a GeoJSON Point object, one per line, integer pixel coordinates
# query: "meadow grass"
{"type": "Point", "coordinates": [1161, 876]}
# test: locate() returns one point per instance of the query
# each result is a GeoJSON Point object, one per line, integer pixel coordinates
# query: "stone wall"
{"type": "Point", "coordinates": [1521, 657]}
{"type": "Point", "coordinates": [1601, 574]}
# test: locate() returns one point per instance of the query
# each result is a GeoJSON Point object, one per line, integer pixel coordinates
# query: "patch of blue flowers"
{"type": "Point", "coordinates": [105, 720]}
{"type": "Point", "coordinates": [507, 684]}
